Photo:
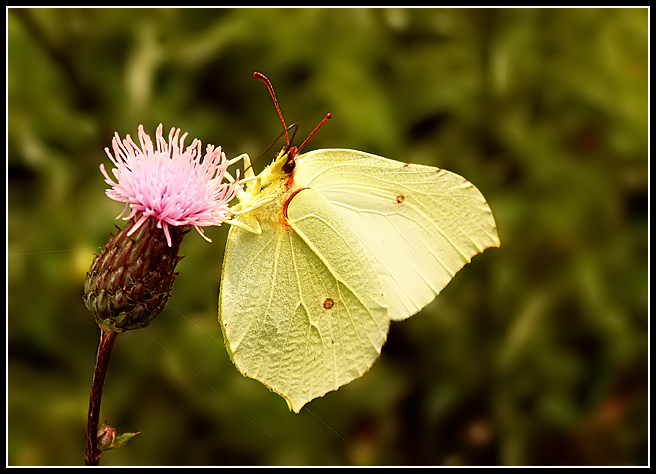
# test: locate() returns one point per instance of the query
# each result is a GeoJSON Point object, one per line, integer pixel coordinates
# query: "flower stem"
{"type": "Point", "coordinates": [107, 339]}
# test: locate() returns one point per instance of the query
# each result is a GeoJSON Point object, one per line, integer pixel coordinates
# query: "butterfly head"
{"type": "Point", "coordinates": [264, 196]}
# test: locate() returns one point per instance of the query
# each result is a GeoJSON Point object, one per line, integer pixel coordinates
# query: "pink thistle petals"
{"type": "Point", "coordinates": [170, 184]}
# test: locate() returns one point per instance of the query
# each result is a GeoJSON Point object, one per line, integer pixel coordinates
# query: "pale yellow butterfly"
{"type": "Point", "coordinates": [326, 249]}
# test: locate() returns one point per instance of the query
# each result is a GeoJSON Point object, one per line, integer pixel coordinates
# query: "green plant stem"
{"type": "Point", "coordinates": [107, 339]}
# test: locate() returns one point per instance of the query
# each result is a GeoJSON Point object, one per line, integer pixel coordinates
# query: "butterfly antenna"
{"type": "Point", "coordinates": [267, 83]}
{"type": "Point", "coordinates": [293, 126]}
{"type": "Point", "coordinates": [321, 124]}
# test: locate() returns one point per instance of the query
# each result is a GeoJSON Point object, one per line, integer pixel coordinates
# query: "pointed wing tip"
{"type": "Point", "coordinates": [294, 406]}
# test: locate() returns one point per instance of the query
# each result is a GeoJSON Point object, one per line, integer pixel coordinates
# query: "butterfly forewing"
{"type": "Point", "coordinates": [417, 224]}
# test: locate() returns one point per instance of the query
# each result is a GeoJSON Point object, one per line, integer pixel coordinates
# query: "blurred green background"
{"type": "Point", "coordinates": [536, 353]}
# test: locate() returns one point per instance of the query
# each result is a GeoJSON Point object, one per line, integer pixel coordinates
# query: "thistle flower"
{"type": "Point", "coordinates": [171, 186]}
{"type": "Point", "coordinates": [168, 189]}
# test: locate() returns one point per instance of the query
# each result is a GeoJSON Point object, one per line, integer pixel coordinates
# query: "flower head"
{"type": "Point", "coordinates": [170, 184]}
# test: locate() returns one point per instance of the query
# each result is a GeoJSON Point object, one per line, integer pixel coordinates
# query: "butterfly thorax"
{"type": "Point", "coordinates": [262, 200]}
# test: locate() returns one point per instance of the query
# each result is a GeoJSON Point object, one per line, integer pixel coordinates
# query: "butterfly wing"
{"type": "Point", "coordinates": [301, 307]}
{"type": "Point", "coordinates": [418, 225]}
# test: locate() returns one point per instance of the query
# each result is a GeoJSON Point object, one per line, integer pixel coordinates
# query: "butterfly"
{"type": "Point", "coordinates": [328, 247]}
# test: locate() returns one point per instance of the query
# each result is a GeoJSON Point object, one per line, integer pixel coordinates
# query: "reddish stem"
{"type": "Point", "coordinates": [107, 339]}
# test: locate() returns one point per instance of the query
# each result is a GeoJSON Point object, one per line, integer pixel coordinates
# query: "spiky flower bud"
{"type": "Point", "coordinates": [129, 283]}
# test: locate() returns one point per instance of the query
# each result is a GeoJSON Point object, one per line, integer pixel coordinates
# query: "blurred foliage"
{"type": "Point", "coordinates": [536, 353]}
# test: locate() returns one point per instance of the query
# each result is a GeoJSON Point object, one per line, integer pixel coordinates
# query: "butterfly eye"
{"type": "Point", "coordinates": [290, 164]}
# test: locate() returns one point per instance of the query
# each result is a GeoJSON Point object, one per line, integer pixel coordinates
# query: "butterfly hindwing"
{"type": "Point", "coordinates": [301, 307]}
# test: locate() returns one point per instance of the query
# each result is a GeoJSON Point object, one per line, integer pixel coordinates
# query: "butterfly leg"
{"type": "Point", "coordinates": [248, 169]}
